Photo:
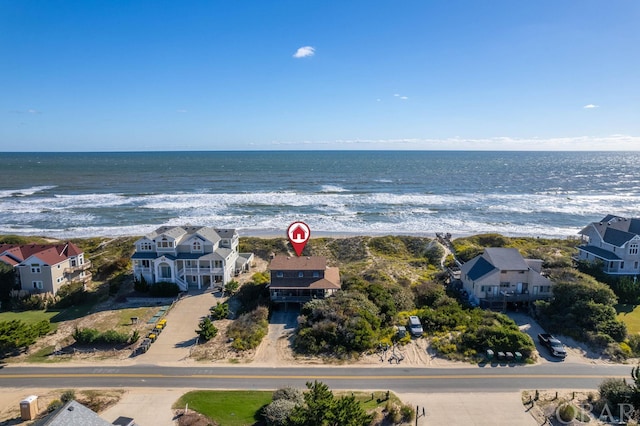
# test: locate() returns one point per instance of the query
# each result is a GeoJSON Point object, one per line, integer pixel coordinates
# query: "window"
{"type": "Point", "coordinates": [35, 268]}
{"type": "Point", "coordinates": [545, 288]}
{"type": "Point", "coordinates": [633, 248]}
{"type": "Point", "coordinates": [279, 274]}
{"type": "Point", "coordinates": [316, 274]}
{"type": "Point", "coordinates": [38, 285]}
{"type": "Point", "coordinates": [73, 261]}
{"type": "Point", "coordinates": [300, 274]}
{"type": "Point", "coordinates": [635, 265]}
{"type": "Point", "coordinates": [146, 246]}
{"type": "Point", "coordinates": [145, 263]}
{"type": "Point", "coordinates": [197, 246]}
{"type": "Point", "coordinates": [505, 284]}
{"type": "Point", "coordinates": [621, 265]}
{"type": "Point", "coordinates": [483, 288]}
{"type": "Point", "coordinates": [164, 243]}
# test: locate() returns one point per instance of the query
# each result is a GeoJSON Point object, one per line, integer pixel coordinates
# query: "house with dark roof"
{"type": "Point", "coordinates": [43, 268]}
{"type": "Point", "coordinates": [502, 275]}
{"type": "Point", "coordinates": [301, 279]}
{"type": "Point", "coordinates": [190, 256]}
{"type": "Point", "coordinates": [614, 242]}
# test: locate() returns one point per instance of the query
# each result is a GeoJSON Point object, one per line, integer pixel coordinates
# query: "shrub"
{"type": "Point", "coordinates": [112, 337]}
{"type": "Point", "coordinates": [249, 329]}
{"type": "Point", "coordinates": [614, 392]}
{"type": "Point", "coordinates": [251, 296]}
{"type": "Point", "coordinates": [407, 412]}
{"type": "Point", "coordinates": [164, 289]}
{"type": "Point", "coordinates": [87, 336]}
{"type": "Point", "coordinates": [289, 393]}
{"type": "Point", "coordinates": [71, 294]}
{"type": "Point", "coordinates": [277, 412]}
{"type": "Point", "coordinates": [68, 395]}
{"type": "Point", "coordinates": [35, 302]}
{"type": "Point", "coordinates": [341, 325]}
{"type": "Point", "coordinates": [141, 285]}
{"type": "Point", "coordinates": [54, 405]}
{"type": "Point", "coordinates": [135, 336]}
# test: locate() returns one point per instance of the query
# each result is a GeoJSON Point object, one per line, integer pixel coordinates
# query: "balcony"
{"type": "Point", "coordinates": [507, 296]}
{"type": "Point", "coordinates": [200, 271]}
{"type": "Point", "coordinates": [78, 268]}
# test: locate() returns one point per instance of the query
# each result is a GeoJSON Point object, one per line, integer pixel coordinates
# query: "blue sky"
{"type": "Point", "coordinates": [264, 75]}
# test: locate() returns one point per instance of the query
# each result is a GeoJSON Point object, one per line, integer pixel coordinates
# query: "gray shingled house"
{"type": "Point", "coordinates": [502, 275]}
{"type": "Point", "coordinates": [614, 242]}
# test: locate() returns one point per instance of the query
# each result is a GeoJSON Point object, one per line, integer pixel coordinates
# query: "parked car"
{"type": "Point", "coordinates": [554, 345]}
{"type": "Point", "coordinates": [415, 327]}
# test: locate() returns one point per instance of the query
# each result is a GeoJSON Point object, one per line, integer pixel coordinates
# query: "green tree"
{"type": "Point", "coordinates": [7, 281]}
{"type": "Point", "coordinates": [206, 330]}
{"type": "Point", "coordinates": [317, 410]}
{"type": "Point", "coordinates": [347, 411]}
{"type": "Point", "coordinates": [220, 311]}
{"type": "Point", "coordinates": [321, 408]}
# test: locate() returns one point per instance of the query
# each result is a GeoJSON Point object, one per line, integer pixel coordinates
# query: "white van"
{"type": "Point", "coordinates": [415, 327]}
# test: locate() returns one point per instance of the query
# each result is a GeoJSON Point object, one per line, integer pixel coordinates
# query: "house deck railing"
{"type": "Point", "coordinates": [71, 269]}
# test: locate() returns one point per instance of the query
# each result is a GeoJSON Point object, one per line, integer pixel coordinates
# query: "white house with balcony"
{"type": "Point", "coordinates": [614, 242]}
{"type": "Point", "coordinates": [190, 256]}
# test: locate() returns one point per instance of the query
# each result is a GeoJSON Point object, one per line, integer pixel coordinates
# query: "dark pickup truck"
{"type": "Point", "coordinates": [554, 345]}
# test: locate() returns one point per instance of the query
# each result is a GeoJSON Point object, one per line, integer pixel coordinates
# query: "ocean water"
{"type": "Point", "coordinates": [545, 194]}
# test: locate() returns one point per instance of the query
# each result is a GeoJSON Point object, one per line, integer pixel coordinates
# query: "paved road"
{"type": "Point", "coordinates": [425, 380]}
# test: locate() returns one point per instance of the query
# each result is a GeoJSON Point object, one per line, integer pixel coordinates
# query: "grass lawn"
{"type": "Point", "coordinates": [228, 408]}
{"type": "Point", "coordinates": [379, 399]}
{"type": "Point", "coordinates": [30, 317]}
{"type": "Point", "coordinates": [630, 315]}
{"type": "Point", "coordinates": [241, 408]}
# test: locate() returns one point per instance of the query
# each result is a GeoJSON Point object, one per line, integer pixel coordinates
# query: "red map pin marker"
{"type": "Point", "coordinates": [299, 234]}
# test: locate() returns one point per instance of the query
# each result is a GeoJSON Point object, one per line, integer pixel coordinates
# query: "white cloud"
{"type": "Point", "coordinates": [404, 98]}
{"type": "Point", "coordinates": [181, 110]}
{"type": "Point", "coordinates": [591, 106]}
{"type": "Point", "coordinates": [304, 52]}
{"type": "Point", "coordinates": [503, 143]}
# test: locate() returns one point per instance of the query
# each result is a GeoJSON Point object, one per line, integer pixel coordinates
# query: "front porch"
{"type": "Point", "coordinates": [297, 295]}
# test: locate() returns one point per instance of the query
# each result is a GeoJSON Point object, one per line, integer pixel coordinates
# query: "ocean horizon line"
{"type": "Point", "coordinates": [147, 151]}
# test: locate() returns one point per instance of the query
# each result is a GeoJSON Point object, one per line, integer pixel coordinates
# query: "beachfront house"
{"type": "Point", "coordinates": [190, 256]}
{"type": "Point", "coordinates": [501, 275]}
{"type": "Point", "coordinates": [613, 242]}
{"type": "Point", "coordinates": [44, 268]}
{"type": "Point", "coordinates": [300, 279]}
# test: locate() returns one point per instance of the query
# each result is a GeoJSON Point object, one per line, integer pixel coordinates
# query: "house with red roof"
{"type": "Point", "coordinates": [301, 279]}
{"type": "Point", "coordinates": [44, 268]}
